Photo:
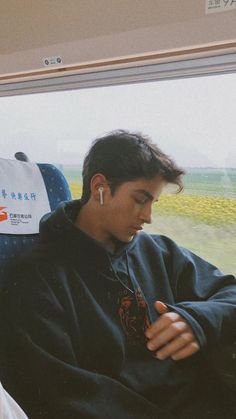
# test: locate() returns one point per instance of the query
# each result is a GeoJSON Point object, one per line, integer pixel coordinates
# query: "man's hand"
{"type": "Point", "coordinates": [170, 335]}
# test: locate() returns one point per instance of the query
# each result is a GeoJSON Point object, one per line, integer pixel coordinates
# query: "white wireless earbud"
{"type": "Point", "coordinates": [101, 195]}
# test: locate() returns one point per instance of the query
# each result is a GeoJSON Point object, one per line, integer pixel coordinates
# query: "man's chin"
{"type": "Point", "coordinates": [130, 238]}
{"type": "Point", "coordinates": [126, 239]}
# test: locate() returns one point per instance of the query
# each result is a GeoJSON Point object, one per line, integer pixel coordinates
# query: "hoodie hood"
{"type": "Point", "coordinates": [62, 240]}
{"type": "Point", "coordinates": [58, 230]}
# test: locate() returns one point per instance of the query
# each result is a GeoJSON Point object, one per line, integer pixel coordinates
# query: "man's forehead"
{"type": "Point", "coordinates": [146, 182]}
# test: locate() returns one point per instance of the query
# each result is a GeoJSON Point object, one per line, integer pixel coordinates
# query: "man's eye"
{"type": "Point", "coordinates": [141, 201]}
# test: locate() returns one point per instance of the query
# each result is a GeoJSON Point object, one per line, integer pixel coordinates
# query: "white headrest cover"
{"type": "Point", "coordinates": [23, 197]}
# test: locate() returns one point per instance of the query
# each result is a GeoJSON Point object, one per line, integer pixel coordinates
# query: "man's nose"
{"type": "Point", "coordinates": [146, 214]}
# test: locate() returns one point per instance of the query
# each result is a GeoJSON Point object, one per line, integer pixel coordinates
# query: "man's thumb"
{"type": "Point", "coordinates": [161, 307]}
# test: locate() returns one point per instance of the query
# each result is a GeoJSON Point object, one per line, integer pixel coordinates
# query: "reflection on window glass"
{"type": "Point", "coordinates": [190, 119]}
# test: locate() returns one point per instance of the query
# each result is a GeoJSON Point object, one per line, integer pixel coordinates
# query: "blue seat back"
{"type": "Point", "coordinates": [11, 244]}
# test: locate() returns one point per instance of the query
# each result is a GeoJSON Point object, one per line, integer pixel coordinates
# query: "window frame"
{"type": "Point", "coordinates": [119, 72]}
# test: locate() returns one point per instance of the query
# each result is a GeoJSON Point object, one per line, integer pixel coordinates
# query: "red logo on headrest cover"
{"type": "Point", "coordinates": [3, 214]}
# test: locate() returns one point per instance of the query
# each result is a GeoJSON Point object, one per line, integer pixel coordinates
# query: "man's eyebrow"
{"type": "Point", "coordinates": [146, 193]}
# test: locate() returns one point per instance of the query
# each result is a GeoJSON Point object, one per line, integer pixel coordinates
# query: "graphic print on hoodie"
{"type": "Point", "coordinates": [131, 305]}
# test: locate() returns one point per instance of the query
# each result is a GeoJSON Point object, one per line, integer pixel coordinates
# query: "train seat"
{"type": "Point", "coordinates": [26, 184]}
{"type": "Point", "coordinates": [23, 186]}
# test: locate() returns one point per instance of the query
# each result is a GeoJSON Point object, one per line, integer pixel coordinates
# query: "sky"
{"type": "Point", "coordinates": [191, 119]}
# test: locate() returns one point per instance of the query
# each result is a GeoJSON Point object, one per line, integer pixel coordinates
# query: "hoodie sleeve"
{"type": "Point", "coordinates": [206, 298]}
{"type": "Point", "coordinates": [40, 369]}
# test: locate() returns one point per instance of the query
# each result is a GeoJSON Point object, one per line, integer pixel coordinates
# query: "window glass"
{"type": "Point", "coordinates": [192, 119]}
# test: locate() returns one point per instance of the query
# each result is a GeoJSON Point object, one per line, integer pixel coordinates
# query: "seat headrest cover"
{"type": "Point", "coordinates": [23, 197]}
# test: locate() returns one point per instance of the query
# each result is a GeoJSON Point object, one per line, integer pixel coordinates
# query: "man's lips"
{"type": "Point", "coordinates": [136, 227]}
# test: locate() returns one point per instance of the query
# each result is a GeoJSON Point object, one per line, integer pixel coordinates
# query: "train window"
{"type": "Point", "coordinates": [192, 119]}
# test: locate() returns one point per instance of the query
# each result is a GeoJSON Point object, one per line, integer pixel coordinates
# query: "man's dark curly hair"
{"type": "Point", "coordinates": [122, 156]}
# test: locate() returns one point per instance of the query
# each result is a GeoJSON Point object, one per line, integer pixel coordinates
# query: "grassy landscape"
{"type": "Point", "coordinates": [211, 182]}
{"type": "Point", "coordinates": [202, 218]}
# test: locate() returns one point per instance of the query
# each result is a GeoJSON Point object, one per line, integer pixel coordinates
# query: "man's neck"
{"type": "Point", "coordinates": [88, 221]}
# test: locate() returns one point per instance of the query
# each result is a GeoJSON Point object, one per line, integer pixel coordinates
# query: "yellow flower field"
{"type": "Point", "coordinates": [76, 189]}
{"type": "Point", "coordinates": [207, 209]}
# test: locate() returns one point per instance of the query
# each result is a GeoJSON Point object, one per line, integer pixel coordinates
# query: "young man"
{"type": "Point", "coordinates": [104, 321]}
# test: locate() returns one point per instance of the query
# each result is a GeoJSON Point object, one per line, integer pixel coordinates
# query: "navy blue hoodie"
{"type": "Point", "coordinates": [74, 319]}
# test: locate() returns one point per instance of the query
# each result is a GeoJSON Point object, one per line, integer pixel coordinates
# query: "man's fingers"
{"type": "Point", "coordinates": [170, 335]}
{"type": "Point", "coordinates": [164, 322]}
{"type": "Point", "coordinates": [175, 346]}
{"type": "Point", "coordinates": [187, 351]}
{"type": "Point", "coordinates": [167, 334]}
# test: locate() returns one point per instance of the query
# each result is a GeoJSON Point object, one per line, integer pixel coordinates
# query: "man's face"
{"type": "Point", "coordinates": [126, 212]}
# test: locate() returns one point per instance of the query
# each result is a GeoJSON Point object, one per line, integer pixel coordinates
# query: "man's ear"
{"type": "Point", "coordinates": [98, 187]}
